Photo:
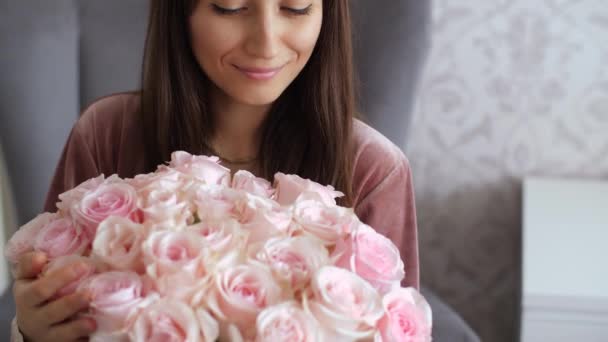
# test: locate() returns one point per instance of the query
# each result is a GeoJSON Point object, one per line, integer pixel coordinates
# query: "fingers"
{"type": "Point", "coordinates": [44, 288]}
{"type": "Point", "coordinates": [72, 330]}
{"type": "Point", "coordinates": [63, 308]}
{"type": "Point", "coordinates": [29, 265]}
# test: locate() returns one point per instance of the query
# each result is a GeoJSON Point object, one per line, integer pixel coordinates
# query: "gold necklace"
{"type": "Point", "coordinates": [233, 161]}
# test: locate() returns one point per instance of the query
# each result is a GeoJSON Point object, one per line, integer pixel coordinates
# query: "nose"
{"type": "Point", "coordinates": [264, 38]}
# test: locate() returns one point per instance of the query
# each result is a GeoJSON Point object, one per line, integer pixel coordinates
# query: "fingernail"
{"type": "Point", "coordinates": [39, 258]}
{"type": "Point", "coordinates": [92, 324]}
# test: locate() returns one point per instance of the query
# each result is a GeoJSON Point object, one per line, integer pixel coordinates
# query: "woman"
{"type": "Point", "coordinates": [268, 86]}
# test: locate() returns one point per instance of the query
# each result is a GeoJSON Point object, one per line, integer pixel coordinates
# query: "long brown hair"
{"type": "Point", "coordinates": [309, 128]}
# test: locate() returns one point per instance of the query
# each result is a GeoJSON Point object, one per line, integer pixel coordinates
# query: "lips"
{"type": "Point", "coordinates": [259, 70]}
{"type": "Point", "coordinates": [259, 74]}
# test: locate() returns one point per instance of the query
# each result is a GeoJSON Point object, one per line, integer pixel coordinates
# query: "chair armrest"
{"type": "Point", "coordinates": [448, 326]}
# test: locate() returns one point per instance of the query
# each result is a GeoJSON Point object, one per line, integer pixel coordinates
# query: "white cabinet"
{"type": "Point", "coordinates": [565, 261]}
{"type": "Point", "coordinates": [8, 221]}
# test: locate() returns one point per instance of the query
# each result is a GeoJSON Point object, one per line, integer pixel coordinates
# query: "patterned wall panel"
{"type": "Point", "coordinates": [512, 88]}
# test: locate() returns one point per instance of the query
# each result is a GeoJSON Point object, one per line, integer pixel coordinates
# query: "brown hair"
{"type": "Point", "coordinates": [309, 128]}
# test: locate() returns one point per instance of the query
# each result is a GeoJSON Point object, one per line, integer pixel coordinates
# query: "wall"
{"type": "Point", "coordinates": [512, 88]}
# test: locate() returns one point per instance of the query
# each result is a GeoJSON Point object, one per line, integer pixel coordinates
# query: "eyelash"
{"type": "Point", "coordinates": [227, 11]}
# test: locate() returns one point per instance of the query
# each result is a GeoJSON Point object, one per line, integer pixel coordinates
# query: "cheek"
{"type": "Point", "coordinates": [211, 40]}
{"type": "Point", "coordinates": [304, 38]}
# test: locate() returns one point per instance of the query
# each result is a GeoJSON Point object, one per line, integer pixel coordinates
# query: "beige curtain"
{"type": "Point", "coordinates": [8, 221]}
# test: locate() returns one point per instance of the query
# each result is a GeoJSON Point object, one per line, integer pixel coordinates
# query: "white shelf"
{"type": "Point", "coordinates": [565, 260]}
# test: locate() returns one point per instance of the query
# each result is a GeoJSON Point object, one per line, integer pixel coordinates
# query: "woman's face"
{"type": "Point", "coordinates": [253, 49]}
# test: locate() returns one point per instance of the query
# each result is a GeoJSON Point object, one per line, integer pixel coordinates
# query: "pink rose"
{"type": "Point", "coordinates": [216, 202]}
{"type": "Point", "coordinates": [23, 240]}
{"type": "Point", "coordinates": [61, 237]}
{"type": "Point", "coordinates": [246, 181]}
{"type": "Point", "coordinates": [75, 195]}
{"type": "Point", "coordinates": [203, 168]}
{"type": "Point", "coordinates": [114, 296]}
{"type": "Point", "coordinates": [165, 197]}
{"type": "Point", "coordinates": [246, 206]}
{"type": "Point", "coordinates": [290, 187]}
{"type": "Point", "coordinates": [109, 199]}
{"type": "Point", "coordinates": [176, 257]}
{"type": "Point", "coordinates": [347, 306]}
{"type": "Point", "coordinates": [114, 336]}
{"type": "Point", "coordinates": [260, 217]}
{"type": "Point", "coordinates": [326, 223]}
{"type": "Point", "coordinates": [118, 243]}
{"type": "Point", "coordinates": [408, 317]}
{"type": "Point", "coordinates": [293, 260]}
{"type": "Point", "coordinates": [372, 256]}
{"type": "Point", "coordinates": [239, 294]}
{"type": "Point", "coordinates": [141, 181]}
{"type": "Point", "coordinates": [221, 236]}
{"type": "Point", "coordinates": [62, 261]}
{"type": "Point", "coordinates": [164, 173]}
{"type": "Point", "coordinates": [287, 322]}
{"type": "Point", "coordinates": [262, 224]}
{"type": "Point", "coordinates": [173, 321]}
{"type": "Point", "coordinates": [167, 252]}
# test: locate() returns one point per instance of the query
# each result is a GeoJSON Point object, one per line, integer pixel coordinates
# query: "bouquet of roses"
{"type": "Point", "coordinates": [191, 253]}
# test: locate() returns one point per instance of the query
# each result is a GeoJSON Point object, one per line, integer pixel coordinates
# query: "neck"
{"type": "Point", "coordinates": [237, 131]}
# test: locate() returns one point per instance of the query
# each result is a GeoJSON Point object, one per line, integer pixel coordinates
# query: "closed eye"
{"type": "Point", "coordinates": [298, 11]}
{"type": "Point", "coordinates": [226, 11]}
{"type": "Point", "coordinates": [231, 11]}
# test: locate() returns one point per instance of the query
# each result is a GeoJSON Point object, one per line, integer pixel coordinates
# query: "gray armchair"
{"type": "Point", "coordinates": [56, 57]}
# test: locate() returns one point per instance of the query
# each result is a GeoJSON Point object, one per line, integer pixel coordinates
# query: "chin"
{"type": "Point", "coordinates": [253, 99]}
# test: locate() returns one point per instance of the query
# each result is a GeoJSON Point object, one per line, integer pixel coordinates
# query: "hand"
{"type": "Point", "coordinates": [39, 317]}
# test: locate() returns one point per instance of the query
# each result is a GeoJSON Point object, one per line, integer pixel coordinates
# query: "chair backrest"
{"type": "Point", "coordinates": [111, 46]}
{"type": "Point", "coordinates": [59, 56]}
{"type": "Point", "coordinates": [392, 40]}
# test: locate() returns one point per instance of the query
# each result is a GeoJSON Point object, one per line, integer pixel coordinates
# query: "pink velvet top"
{"type": "Point", "coordinates": [106, 139]}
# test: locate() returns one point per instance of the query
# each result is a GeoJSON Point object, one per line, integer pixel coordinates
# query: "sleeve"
{"type": "Point", "coordinates": [76, 164]}
{"type": "Point", "coordinates": [390, 209]}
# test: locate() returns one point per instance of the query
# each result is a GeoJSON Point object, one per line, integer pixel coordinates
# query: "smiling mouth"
{"type": "Point", "coordinates": [259, 74]}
